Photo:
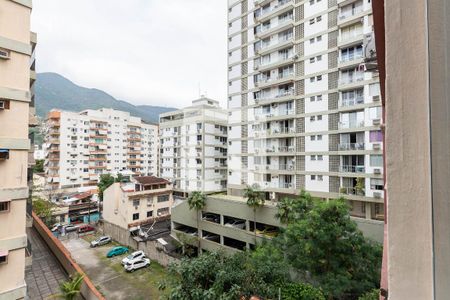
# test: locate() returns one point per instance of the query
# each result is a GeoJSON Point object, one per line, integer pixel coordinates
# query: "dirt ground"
{"type": "Point", "coordinates": [108, 275]}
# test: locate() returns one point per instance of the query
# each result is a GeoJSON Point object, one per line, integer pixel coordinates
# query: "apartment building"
{"type": "Point", "coordinates": [304, 102]}
{"type": "Point", "coordinates": [17, 76]}
{"type": "Point", "coordinates": [142, 200]}
{"type": "Point", "coordinates": [79, 147]}
{"type": "Point", "coordinates": [194, 147]}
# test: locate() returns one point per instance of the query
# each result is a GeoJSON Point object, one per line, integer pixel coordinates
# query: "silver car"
{"type": "Point", "coordinates": [137, 264]}
{"type": "Point", "coordinates": [103, 240]}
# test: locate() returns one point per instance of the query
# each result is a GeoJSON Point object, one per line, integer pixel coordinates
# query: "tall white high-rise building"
{"type": "Point", "coordinates": [194, 147]}
{"type": "Point", "coordinates": [79, 147]}
{"type": "Point", "coordinates": [305, 109]}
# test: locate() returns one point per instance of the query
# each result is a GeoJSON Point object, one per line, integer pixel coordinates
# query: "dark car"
{"type": "Point", "coordinates": [85, 228]}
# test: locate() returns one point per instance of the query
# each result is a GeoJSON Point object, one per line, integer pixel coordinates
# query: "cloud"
{"type": "Point", "coordinates": [154, 52]}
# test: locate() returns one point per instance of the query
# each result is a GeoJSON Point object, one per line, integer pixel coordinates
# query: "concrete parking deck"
{"type": "Point", "coordinates": [45, 273]}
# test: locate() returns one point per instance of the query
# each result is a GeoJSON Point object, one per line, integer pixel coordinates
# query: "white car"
{"type": "Point", "coordinates": [137, 264]}
{"type": "Point", "coordinates": [236, 224]}
{"type": "Point", "coordinates": [70, 228]}
{"type": "Point", "coordinates": [103, 240]}
{"type": "Point", "coordinates": [135, 256]}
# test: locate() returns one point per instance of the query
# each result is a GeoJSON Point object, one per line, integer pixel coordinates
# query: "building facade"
{"type": "Point", "coordinates": [17, 77]}
{"type": "Point", "coordinates": [305, 109]}
{"type": "Point", "coordinates": [79, 147]}
{"type": "Point", "coordinates": [194, 146]}
{"type": "Point", "coordinates": [144, 199]}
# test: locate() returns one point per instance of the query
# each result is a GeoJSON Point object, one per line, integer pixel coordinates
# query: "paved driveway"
{"type": "Point", "coordinates": [108, 275]}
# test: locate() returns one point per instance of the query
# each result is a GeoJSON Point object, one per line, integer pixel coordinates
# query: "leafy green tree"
{"type": "Point", "coordinates": [39, 166]}
{"type": "Point", "coordinates": [70, 289]}
{"type": "Point", "coordinates": [255, 199]}
{"type": "Point", "coordinates": [43, 209]}
{"type": "Point", "coordinates": [327, 249]}
{"type": "Point", "coordinates": [300, 291]}
{"type": "Point", "coordinates": [286, 210]}
{"type": "Point", "coordinates": [371, 295]}
{"type": "Point", "coordinates": [197, 201]}
{"type": "Point", "coordinates": [106, 180]}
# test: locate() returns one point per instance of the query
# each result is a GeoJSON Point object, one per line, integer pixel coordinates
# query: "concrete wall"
{"type": "Point", "coordinates": [123, 237]}
{"type": "Point", "coordinates": [88, 290]}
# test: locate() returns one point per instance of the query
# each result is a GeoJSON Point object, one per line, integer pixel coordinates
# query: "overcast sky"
{"type": "Point", "coordinates": [154, 52]}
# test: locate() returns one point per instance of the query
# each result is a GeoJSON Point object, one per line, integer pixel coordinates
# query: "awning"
{"type": "Point", "coordinates": [4, 150]}
{"type": "Point", "coordinates": [3, 253]}
{"type": "Point", "coordinates": [4, 153]}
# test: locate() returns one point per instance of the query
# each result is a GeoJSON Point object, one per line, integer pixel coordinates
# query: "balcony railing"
{"type": "Point", "coordinates": [351, 79]}
{"type": "Point", "coordinates": [273, 8]}
{"type": "Point", "coordinates": [349, 125]}
{"type": "Point", "coordinates": [286, 149]}
{"type": "Point", "coordinates": [280, 94]}
{"type": "Point", "coordinates": [351, 191]}
{"type": "Point", "coordinates": [281, 59]}
{"type": "Point", "coordinates": [351, 146]}
{"type": "Point", "coordinates": [275, 131]}
{"type": "Point", "coordinates": [352, 101]}
{"type": "Point", "coordinates": [287, 167]}
{"type": "Point", "coordinates": [274, 113]}
{"type": "Point", "coordinates": [352, 169]}
{"type": "Point", "coordinates": [265, 29]}
{"type": "Point", "coordinates": [350, 13]}
{"type": "Point", "coordinates": [276, 185]}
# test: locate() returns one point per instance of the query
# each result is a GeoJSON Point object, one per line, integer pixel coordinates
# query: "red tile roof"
{"type": "Point", "coordinates": [147, 180]}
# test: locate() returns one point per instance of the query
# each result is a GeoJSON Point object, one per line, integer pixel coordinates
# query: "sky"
{"type": "Point", "coordinates": [154, 52]}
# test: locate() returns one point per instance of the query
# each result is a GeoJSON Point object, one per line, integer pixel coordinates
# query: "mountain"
{"type": "Point", "coordinates": [55, 91]}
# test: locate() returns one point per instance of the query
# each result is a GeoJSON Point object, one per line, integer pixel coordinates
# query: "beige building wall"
{"type": "Point", "coordinates": [14, 120]}
{"type": "Point", "coordinates": [417, 148]}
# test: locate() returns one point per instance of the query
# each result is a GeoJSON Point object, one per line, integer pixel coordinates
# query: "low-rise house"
{"type": "Point", "coordinates": [141, 201]}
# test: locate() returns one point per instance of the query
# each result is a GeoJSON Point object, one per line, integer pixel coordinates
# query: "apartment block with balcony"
{"type": "Point", "coordinates": [79, 147]}
{"type": "Point", "coordinates": [140, 201]}
{"type": "Point", "coordinates": [17, 47]}
{"type": "Point", "coordinates": [193, 147]}
{"type": "Point", "coordinates": [304, 102]}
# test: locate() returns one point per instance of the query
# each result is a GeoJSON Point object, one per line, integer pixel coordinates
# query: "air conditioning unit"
{"type": "Point", "coordinates": [2, 104]}
{"type": "Point", "coordinates": [377, 195]}
{"type": "Point", "coordinates": [376, 146]}
{"type": "Point", "coordinates": [377, 171]}
{"type": "Point", "coordinates": [376, 98]}
{"type": "Point", "coordinates": [376, 122]}
{"type": "Point", "coordinates": [4, 54]}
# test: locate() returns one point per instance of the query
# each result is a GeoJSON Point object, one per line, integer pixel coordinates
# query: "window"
{"type": "Point", "coordinates": [135, 216]}
{"type": "Point", "coordinates": [313, 138]}
{"type": "Point", "coordinates": [311, 2]}
{"type": "Point", "coordinates": [312, 118]}
{"type": "Point", "coordinates": [312, 60]}
{"type": "Point", "coordinates": [376, 184]}
{"type": "Point", "coordinates": [319, 58]}
{"type": "Point", "coordinates": [163, 198]}
{"type": "Point", "coordinates": [319, 118]}
{"type": "Point", "coordinates": [320, 177]}
{"type": "Point", "coordinates": [376, 160]}
{"type": "Point", "coordinates": [319, 18]}
{"type": "Point", "coordinates": [4, 206]}
{"type": "Point", "coordinates": [319, 77]}
{"type": "Point", "coordinates": [313, 157]}
{"type": "Point", "coordinates": [150, 214]}
{"type": "Point", "coordinates": [136, 202]}
{"type": "Point", "coordinates": [312, 21]}
{"type": "Point", "coordinates": [319, 97]}
{"type": "Point", "coordinates": [312, 98]}
{"type": "Point", "coordinates": [312, 79]}
{"type": "Point", "coordinates": [3, 257]}
{"type": "Point", "coordinates": [313, 177]}
{"type": "Point", "coordinates": [319, 157]}
{"type": "Point", "coordinates": [376, 136]}
{"type": "Point", "coordinates": [319, 38]}
{"type": "Point", "coordinates": [311, 41]}
{"type": "Point", "coordinates": [163, 211]}
{"type": "Point", "coordinates": [319, 137]}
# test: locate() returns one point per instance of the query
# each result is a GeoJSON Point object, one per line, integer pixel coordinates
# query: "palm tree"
{"type": "Point", "coordinates": [255, 199]}
{"type": "Point", "coordinates": [197, 201]}
{"type": "Point", "coordinates": [70, 289]}
{"type": "Point", "coordinates": [286, 210]}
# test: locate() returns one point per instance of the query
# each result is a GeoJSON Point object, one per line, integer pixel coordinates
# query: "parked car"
{"type": "Point", "coordinates": [70, 228]}
{"type": "Point", "coordinates": [103, 240]}
{"type": "Point", "coordinates": [137, 264]}
{"type": "Point", "coordinates": [268, 231]}
{"type": "Point", "coordinates": [191, 231]}
{"type": "Point", "coordinates": [212, 237]}
{"type": "Point", "coordinates": [117, 251]}
{"type": "Point", "coordinates": [211, 218]}
{"type": "Point", "coordinates": [57, 226]}
{"type": "Point", "coordinates": [236, 224]}
{"type": "Point", "coordinates": [137, 255]}
{"type": "Point", "coordinates": [85, 228]}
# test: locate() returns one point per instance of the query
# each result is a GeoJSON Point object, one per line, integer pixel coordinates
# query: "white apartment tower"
{"type": "Point", "coordinates": [194, 147]}
{"type": "Point", "coordinates": [305, 109]}
{"type": "Point", "coordinates": [79, 147]}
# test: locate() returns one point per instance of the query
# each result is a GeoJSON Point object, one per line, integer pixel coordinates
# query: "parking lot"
{"type": "Point", "coordinates": [108, 275]}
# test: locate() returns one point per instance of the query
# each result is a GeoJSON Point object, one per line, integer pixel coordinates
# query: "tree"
{"type": "Point", "coordinates": [197, 201]}
{"type": "Point", "coordinates": [43, 209]}
{"type": "Point", "coordinates": [70, 289]}
{"type": "Point", "coordinates": [39, 166]}
{"type": "Point", "coordinates": [106, 180]}
{"type": "Point", "coordinates": [286, 210]}
{"type": "Point", "coordinates": [255, 199]}
{"type": "Point", "coordinates": [327, 249]}
{"type": "Point", "coordinates": [371, 295]}
{"type": "Point", "coordinates": [303, 291]}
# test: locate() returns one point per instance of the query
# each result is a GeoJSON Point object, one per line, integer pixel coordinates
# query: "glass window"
{"type": "Point", "coordinates": [376, 136]}
{"type": "Point", "coordinates": [376, 184]}
{"type": "Point", "coordinates": [135, 216]}
{"type": "Point", "coordinates": [376, 160]}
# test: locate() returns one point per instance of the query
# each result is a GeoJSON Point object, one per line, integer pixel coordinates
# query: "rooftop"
{"type": "Point", "coordinates": [148, 180]}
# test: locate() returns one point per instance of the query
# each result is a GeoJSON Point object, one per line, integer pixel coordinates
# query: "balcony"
{"type": "Point", "coordinates": [352, 60]}
{"type": "Point", "coordinates": [276, 185]}
{"type": "Point", "coordinates": [352, 169]}
{"type": "Point", "coordinates": [280, 79]}
{"type": "Point", "coordinates": [281, 25]}
{"type": "Point", "coordinates": [351, 146]}
{"type": "Point", "coordinates": [270, 64]}
{"type": "Point", "coordinates": [350, 39]}
{"type": "Point", "coordinates": [351, 79]}
{"type": "Point", "coordinates": [281, 95]}
{"type": "Point", "coordinates": [273, 45]}
{"type": "Point", "coordinates": [351, 125]}
{"type": "Point", "coordinates": [345, 16]}
{"type": "Point", "coordinates": [275, 132]}
{"type": "Point", "coordinates": [281, 7]}
{"type": "Point", "coordinates": [351, 101]}
{"type": "Point", "coordinates": [274, 114]}
{"type": "Point", "coordinates": [351, 191]}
